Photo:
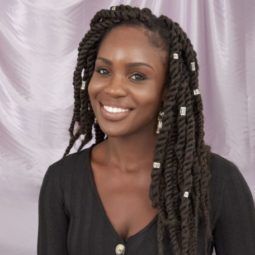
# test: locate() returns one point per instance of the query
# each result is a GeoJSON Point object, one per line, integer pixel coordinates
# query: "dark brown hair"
{"type": "Point", "coordinates": [180, 147]}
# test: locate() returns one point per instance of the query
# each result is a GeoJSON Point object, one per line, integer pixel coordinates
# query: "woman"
{"type": "Point", "coordinates": [149, 184]}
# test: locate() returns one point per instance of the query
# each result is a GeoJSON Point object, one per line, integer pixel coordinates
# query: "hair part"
{"type": "Point", "coordinates": [180, 148]}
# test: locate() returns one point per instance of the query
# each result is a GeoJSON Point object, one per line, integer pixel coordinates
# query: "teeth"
{"type": "Point", "coordinates": [114, 109]}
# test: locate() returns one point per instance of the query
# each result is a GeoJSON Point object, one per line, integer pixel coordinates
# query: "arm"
{"type": "Point", "coordinates": [234, 232]}
{"type": "Point", "coordinates": [53, 221]}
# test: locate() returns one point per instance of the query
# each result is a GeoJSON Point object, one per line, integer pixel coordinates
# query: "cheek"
{"type": "Point", "coordinates": [90, 91]}
{"type": "Point", "coordinates": [92, 94]}
{"type": "Point", "coordinates": [93, 89]}
{"type": "Point", "coordinates": [148, 100]}
{"type": "Point", "coordinates": [146, 111]}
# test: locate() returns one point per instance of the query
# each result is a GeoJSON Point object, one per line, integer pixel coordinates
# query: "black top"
{"type": "Point", "coordinates": [72, 219]}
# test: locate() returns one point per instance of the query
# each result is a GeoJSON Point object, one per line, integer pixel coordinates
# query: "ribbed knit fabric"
{"type": "Point", "coordinates": [72, 219]}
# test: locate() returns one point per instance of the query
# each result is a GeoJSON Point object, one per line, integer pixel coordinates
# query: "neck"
{"type": "Point", "coordinates": [131, 153]}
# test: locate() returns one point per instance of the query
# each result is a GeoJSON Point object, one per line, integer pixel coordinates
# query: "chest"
{"type": "Point", "coordinates": [125, 201]}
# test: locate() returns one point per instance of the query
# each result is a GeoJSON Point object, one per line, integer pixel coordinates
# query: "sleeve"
{"type": "Point", "coordinates": [52, 219]}
{"type": "Point", "coordinates": [234, 232]}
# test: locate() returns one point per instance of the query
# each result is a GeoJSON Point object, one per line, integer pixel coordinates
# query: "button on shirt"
{"type": "Point", "coordinates": [120, 249]}
{"type": "Point", "coordinates": [72, 219]}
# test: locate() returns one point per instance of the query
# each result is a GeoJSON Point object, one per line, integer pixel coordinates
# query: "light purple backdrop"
{"type": "Point", "coordinates": [38, 49]}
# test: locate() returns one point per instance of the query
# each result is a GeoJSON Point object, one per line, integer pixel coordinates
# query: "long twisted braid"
{"type": "Point", "coordinates": [180, 149]}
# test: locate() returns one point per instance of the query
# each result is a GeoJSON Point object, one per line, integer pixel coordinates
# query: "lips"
{"type": "Point", "coordinates": [114, 116]}
{"type": "Point", "coordinates": [115, 106]}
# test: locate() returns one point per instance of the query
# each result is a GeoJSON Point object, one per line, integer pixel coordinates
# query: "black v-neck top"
{"type": "Point", "coordinates": [73, 221]}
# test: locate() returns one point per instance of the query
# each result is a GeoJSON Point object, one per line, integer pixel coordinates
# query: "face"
{"type": "Point", "coordinates": [127, 84]}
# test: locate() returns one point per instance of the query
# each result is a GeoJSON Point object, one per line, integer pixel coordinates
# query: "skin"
{"type": "Point", "coordinates": [122, 163]}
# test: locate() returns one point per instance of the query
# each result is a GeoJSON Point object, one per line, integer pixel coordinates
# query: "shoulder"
{"type": "Point", "coordinates": [233, 208]}
{"type": "Point", "coordinates": [228, 186]}
{"type": "Point", "coordinates": [65, 167]}
{"type": "Point", "coordinates": [223, 168]}
{"type": "Point", "coordinates": [226, 173]}
{"type": "Point", "coordinates": [59, 179]}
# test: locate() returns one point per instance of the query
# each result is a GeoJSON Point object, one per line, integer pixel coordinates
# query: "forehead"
{"type": "Point", "coordinates": [131, 43]}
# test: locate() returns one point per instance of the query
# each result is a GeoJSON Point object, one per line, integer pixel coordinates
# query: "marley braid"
{"type": "Point", "coordinates": [181, 156]}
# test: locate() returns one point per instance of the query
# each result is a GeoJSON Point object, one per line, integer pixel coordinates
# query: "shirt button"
{"type": "Point", "coordinates": [120, 249]}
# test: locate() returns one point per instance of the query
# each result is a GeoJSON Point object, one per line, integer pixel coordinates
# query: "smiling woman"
{"type": "Point", "coordinates": [129, 75]}
{"type": "Point", "coordinates": [149, 184]}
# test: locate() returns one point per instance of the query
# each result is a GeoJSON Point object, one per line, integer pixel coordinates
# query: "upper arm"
{"type": "Point", "coordinates": [52, 219]}
{"type": "Point", "coordinates": [234, 232]}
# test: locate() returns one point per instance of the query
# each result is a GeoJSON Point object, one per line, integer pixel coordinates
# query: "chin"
{"type": "Point", "coordinates": [115, 129]}
{"type": "Point", "coordinates": [111, 132]}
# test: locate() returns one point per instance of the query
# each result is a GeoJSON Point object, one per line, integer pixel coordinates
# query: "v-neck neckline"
{"type": "Point", "coordinates": [100, 203]}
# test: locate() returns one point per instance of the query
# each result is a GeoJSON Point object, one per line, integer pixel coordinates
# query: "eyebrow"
{"type": "Point", "coordinates": [133, 64]}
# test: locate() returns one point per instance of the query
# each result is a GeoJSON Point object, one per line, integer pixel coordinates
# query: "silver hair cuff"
{"type": "Point", "coordinates": [186, 194]}
{"type": "Point", "coordinates": [196, 92]}
{"type": "Point", "coordinates": [156, 164]}
{"type": "Point", "coordinates": [175, 56]}
{"type": "Point", "coordinates": [83, 85]}
{"type": "Point", "coordinates": [183, 111]}
{"type": "Point", "coordinates": [193, 66]}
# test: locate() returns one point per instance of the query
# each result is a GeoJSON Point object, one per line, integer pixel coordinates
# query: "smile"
{"type": "Point", "coordinates": [114, 109]}
{"type": "Point", "coordinates": [114, 113]}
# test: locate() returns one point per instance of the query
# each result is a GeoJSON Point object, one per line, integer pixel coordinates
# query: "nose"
{"type": "Point", "coordinates": [115, 86]}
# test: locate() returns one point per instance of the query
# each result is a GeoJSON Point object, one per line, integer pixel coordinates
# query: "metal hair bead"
{"type": "Point", "coordinates": [175, 56]}
{"type": "Point", "coordinates": [113, 8]}
{"type": "Point", "coordinates": [193, 66]}
{"type": "Point", "coordinates": [83, 85]}
{"type": "Point", "coordinates": [196, 92]}
{"type": "Point", "coordinates": [156, 164]}
{"type": "Point", "coordinates": [183, 111]}
{"type": "Point", "coordinates": [186, 194]}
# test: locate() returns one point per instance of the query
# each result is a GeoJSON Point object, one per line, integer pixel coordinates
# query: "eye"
{"type": "Point", "coordinates": [101, 71]}
{"type": "Point", "coordinates": [105, 72]}
{"type": "Point", "coordinates": [139, 77]}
